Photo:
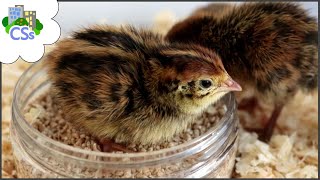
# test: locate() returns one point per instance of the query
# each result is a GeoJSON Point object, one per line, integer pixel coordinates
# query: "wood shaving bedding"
{"type": "Point", "coordinates": [291, 153]}
{"type": "Point", "coordinates": [293, 149]}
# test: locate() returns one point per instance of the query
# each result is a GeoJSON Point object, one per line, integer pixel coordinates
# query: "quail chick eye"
{"type": "Point", "coordinates": [205, 84]}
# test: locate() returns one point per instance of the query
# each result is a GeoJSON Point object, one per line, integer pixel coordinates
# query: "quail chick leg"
{"type": "Point", "coordinates": [108, 145]}
{"type": "Point", "coordinates": [268, 129]}
{"type": "Point", "coordinates": [265, 133]}
{"type": "Point", "coordinates": [249, 104]}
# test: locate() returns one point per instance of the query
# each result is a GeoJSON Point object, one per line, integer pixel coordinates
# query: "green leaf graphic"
{"type": "Point", "coordinates": [21, 22]}
{"type": "Point", "coordinates": [5, 21]}
{"type": "Point", "coordinates": [39, 25]}
{"type": "Point", "coordinates": [36, 31]}
{"type": "Point", "coordinates": [9, 27]}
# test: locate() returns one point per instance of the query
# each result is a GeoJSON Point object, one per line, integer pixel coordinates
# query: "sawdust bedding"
{"type": "Point", "coordinates": [291, 153]}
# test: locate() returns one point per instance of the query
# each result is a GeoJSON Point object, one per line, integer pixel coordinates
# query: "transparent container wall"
{"type": "Point", "coordinates": [37, 157]}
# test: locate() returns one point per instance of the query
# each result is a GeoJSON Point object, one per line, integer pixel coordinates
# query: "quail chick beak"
{"type": "Point", "coordinates": [230, 85]}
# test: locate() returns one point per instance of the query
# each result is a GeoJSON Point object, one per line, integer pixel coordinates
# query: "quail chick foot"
{"type": "Point", "coordinates": [108, 145]}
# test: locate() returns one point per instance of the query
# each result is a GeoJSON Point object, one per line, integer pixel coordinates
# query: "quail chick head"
{"type": "Point", "coordinates": [270, 47]}
{"type": "Point", "coordinates": [130, 85]}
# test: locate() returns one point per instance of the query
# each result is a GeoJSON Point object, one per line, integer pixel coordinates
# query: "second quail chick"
{"type": "Point", "coordinates": [214, 10]}
{"type": "Point", "coordinates": [270, 47]}
{"type": "Point", "coordinates": [217, 11]}
{"type": "Point", "coordinates": [131, 86]}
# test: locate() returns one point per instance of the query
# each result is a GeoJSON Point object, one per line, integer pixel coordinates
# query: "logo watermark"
{"type": "Point", "coordinates": [26, 27]}
{"type": "Point", "coordinates": [24, 22]}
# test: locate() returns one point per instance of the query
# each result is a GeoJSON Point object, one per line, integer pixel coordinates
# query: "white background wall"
{"type": "Point", "coordinates": [73, 15]}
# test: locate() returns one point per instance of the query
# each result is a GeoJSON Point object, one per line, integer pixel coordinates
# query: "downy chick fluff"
{"type": "Point", "coordinates": [269, 47]}
{"type": "Point", "coordinates": [130, 85]}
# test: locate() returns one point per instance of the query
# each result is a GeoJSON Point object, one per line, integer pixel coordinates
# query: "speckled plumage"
{"type": "Point", "coordinates": [270, 47]}
{"type": "Point", "coordinates": [215, 10]}
{"type": "Point", "coordinates": [130, 85]}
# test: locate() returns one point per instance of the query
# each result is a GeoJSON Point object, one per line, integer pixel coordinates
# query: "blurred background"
{"type": "Point", "coordinates": [73, 15]}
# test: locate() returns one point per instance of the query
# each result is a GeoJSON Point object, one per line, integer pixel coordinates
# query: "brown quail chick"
{"type": "Point", "coordinates": [128, 85]}
{"type": "Point", "coordinates": [217, 11]}
{"type": "Point", "coordinates": [270, 47]}
{"type": "Point", "coordinates": [214, 10]}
